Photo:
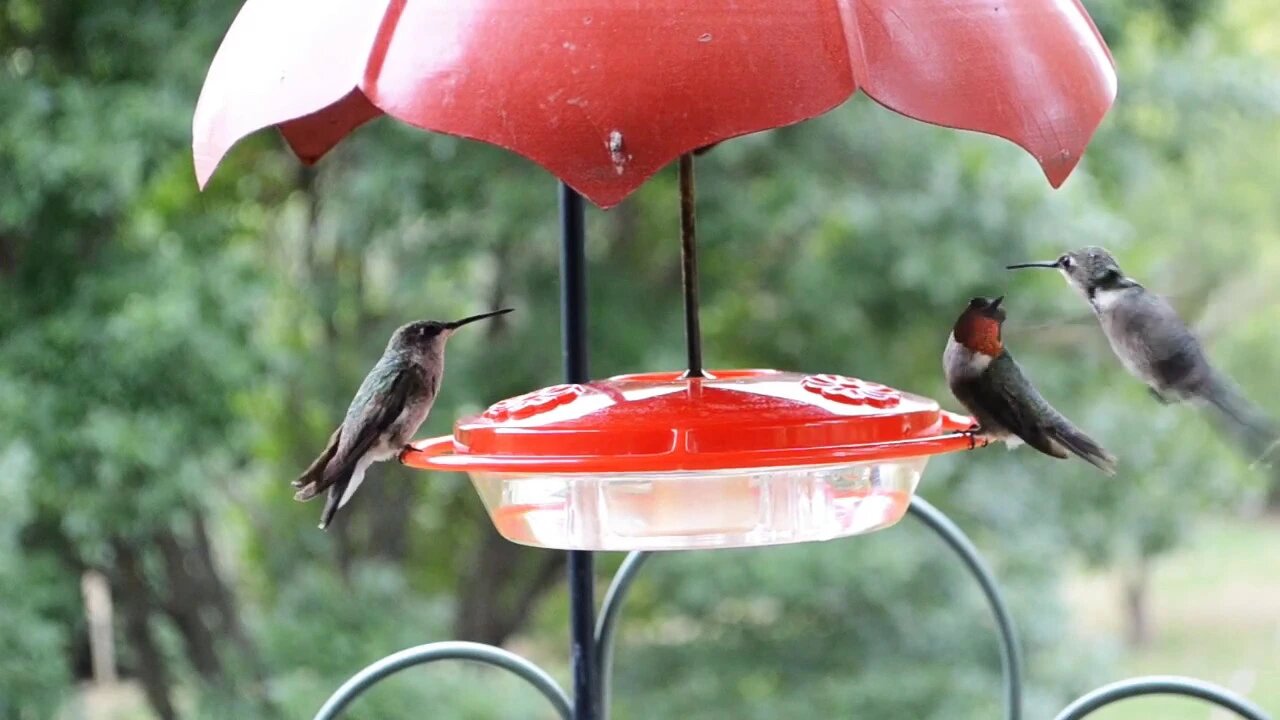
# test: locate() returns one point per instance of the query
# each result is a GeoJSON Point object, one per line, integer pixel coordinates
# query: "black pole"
{"type": "Point", "coordinates": [689, 267]}
{"type": "Point", "coordinates": [573, 322]}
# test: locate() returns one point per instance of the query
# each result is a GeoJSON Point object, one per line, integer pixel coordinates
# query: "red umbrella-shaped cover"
{"type": "Point", "coordinates": [604, 93]}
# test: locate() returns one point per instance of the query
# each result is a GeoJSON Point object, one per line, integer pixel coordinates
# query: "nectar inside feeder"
{"type": "Point", "coordinates": [658, 461]}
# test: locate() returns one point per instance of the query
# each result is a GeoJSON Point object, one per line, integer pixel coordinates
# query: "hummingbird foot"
{"type": "Point", "coordinates": [973, 432]}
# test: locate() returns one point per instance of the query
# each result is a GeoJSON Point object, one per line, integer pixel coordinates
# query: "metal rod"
{"type": "Point", "coordinates": [607, 624]}
{"type": "Point", "coordinates": [573, 285]}
{"type": "Point", "coordinates": [934, 519]}
{"type": "Point", "coordinates": [573, 320]}
{"type": "Point", "coordinates": [434, 652]}
{"type": "Point", "coordinates": [689, 266]}
{"type": "Point", "coordinates": [582, 613]}
{"type": "Point", "coordinates": [1010, 651]}
{"type": "Point", "coordinates": [1161, 685]}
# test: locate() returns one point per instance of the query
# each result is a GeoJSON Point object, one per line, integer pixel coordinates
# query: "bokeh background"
{"type": "Point", "coordinates": [169, 360]}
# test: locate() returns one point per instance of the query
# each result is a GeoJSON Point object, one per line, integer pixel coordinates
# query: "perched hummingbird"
{"type": "Point", "coordinates": [1156, 347]}
{"type": "Point", "coordinates": [387, 411]}
{"type": "Point", "coordinates": [985, 379]}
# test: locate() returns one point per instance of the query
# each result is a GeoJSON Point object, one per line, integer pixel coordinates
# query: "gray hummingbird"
{"type": "Point", "coordinates": [1157, 347]}
{"type": "Point", "coordinates": [387, 411]}
{"type": "Point", "coordinates": [984, 377]}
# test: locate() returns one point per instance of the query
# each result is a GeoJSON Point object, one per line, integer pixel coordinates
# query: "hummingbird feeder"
{"type": "Point", "coordinates": [603, 94]}
{"type": "Point", "coordinates": [657, 461]}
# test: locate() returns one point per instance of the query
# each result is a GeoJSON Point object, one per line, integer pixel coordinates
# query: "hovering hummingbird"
{"type": "Point", "coordinates": [387, 411]}
{"type": "Point", "coordinates": [985, 379]}
{"type": "Point", "coordinates": [1156, 347]}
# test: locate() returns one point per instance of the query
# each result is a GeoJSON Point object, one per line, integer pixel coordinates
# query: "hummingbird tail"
{"type": "Point", "coordinates": [1082, 446]}
{"type": "Point", "coordinates": [311, 481]}
{"type": "Point", "coordinates": [342, 488]}
{"type": "Point", "coordinates": [331, 505]}
{"type": "Point", "coordinates": [1242, 421]}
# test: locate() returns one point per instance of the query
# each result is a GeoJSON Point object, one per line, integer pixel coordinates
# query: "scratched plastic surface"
{"type": "Point", "coordinates": [656, 461]}
{"type": "Point", "coordinates": [721, 509]}
{"type": "Point", "coordinates": [604, 93]}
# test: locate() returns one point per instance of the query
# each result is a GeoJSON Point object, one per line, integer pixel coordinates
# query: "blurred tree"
{"type": "Point", "coordinates": [121, 331]}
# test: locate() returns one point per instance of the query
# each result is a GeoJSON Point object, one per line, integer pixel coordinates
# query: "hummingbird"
{"type": "Point", "coordinates": [1156, 346]}
{"type": "Point", "coordinates": [984, 377]}
{"type": "Point", "coordinates": [387, 411]}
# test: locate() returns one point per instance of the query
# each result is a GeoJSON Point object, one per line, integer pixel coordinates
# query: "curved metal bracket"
{"type": "Point", "coordinates": [934, 519]}
{"type": "Point", "coordinates": [1161, 685]}
{"type": "Point", "coordinates": [610, 611]}
{"type": "Point", "coordinates": [433, 652]}
{"type": "Point", "coordinates": [1010, 650]}
{"type": "Point", "coordinates": [607, 625]}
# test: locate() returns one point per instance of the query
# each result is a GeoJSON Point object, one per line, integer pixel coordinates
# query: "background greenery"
{"type": "Point", "coordinates": [170, 359]}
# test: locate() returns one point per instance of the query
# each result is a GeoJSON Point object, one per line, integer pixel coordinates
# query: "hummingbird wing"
{"type": "Point", "coordinates": [1022, 410]}
{"type": "Point", "coordinates": [314, 472]}
{"type": "Point", "coordinates": [1014, 403]}
{"type": "Point", "coordinates": [378, 404]}
{"type": "Point", "coordinates": [1175, 366]}
{"type": "Point", "coordinates": [1154, 344]}
{"type": "Point", "coordinates": [374, 425]}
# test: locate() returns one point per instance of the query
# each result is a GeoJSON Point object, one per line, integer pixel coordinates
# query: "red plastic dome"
{"type": "Point", "coordinates": [661, 422]}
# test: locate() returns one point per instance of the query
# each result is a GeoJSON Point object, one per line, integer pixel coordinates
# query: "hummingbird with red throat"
{"type": "Point", "coordinates": [984, 377]}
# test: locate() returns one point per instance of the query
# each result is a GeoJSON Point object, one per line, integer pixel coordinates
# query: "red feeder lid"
{"type": "Point", "coordinates": [657, 422]}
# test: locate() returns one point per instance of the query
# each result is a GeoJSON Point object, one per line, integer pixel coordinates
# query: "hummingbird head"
{"type": "Point", "coordinates": [1088, 270]}
{"type": "Point", "coordinates": [426, 335]}
{"type": "Point", "coordinates": [978, 327]}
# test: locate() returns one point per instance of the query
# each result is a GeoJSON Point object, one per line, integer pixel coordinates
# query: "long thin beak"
{"type": "Point", "coordinates": [995, 304]}
{"type": "Point", "coordinates": [459, 323]}
{"type": "Point", "coordinates": [1051, 265]}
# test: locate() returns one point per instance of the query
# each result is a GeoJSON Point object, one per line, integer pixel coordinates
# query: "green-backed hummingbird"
{"type": "Point", "coordinates": [387, 411]}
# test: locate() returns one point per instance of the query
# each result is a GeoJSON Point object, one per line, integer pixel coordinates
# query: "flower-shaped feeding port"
{"type": "Point", "coordinates": [657, 461]}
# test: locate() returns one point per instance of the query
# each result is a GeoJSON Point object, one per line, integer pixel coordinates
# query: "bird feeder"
{"type": "Point", "coordinates": [659, 461]}
{"type": "Point", "coordinates": [604, 94]}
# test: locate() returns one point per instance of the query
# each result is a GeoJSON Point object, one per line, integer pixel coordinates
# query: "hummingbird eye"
{"type": "Point", "coordinates": [1066, 262]}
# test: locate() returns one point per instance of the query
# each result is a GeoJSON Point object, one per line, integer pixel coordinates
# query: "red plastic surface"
{"type": "Point", "coordinates": [604, 93]}
{"type": "Point", "coordinates": [660, 422]}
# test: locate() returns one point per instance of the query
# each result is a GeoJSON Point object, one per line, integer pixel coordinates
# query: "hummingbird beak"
{"type": "Point", "coordinates": [451, 326]}
{"type": "Point", "coordinates": [1051, 265]}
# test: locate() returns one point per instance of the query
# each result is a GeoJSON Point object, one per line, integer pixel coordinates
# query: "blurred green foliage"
{"type": "Point", "coordinates": [169, 359]}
